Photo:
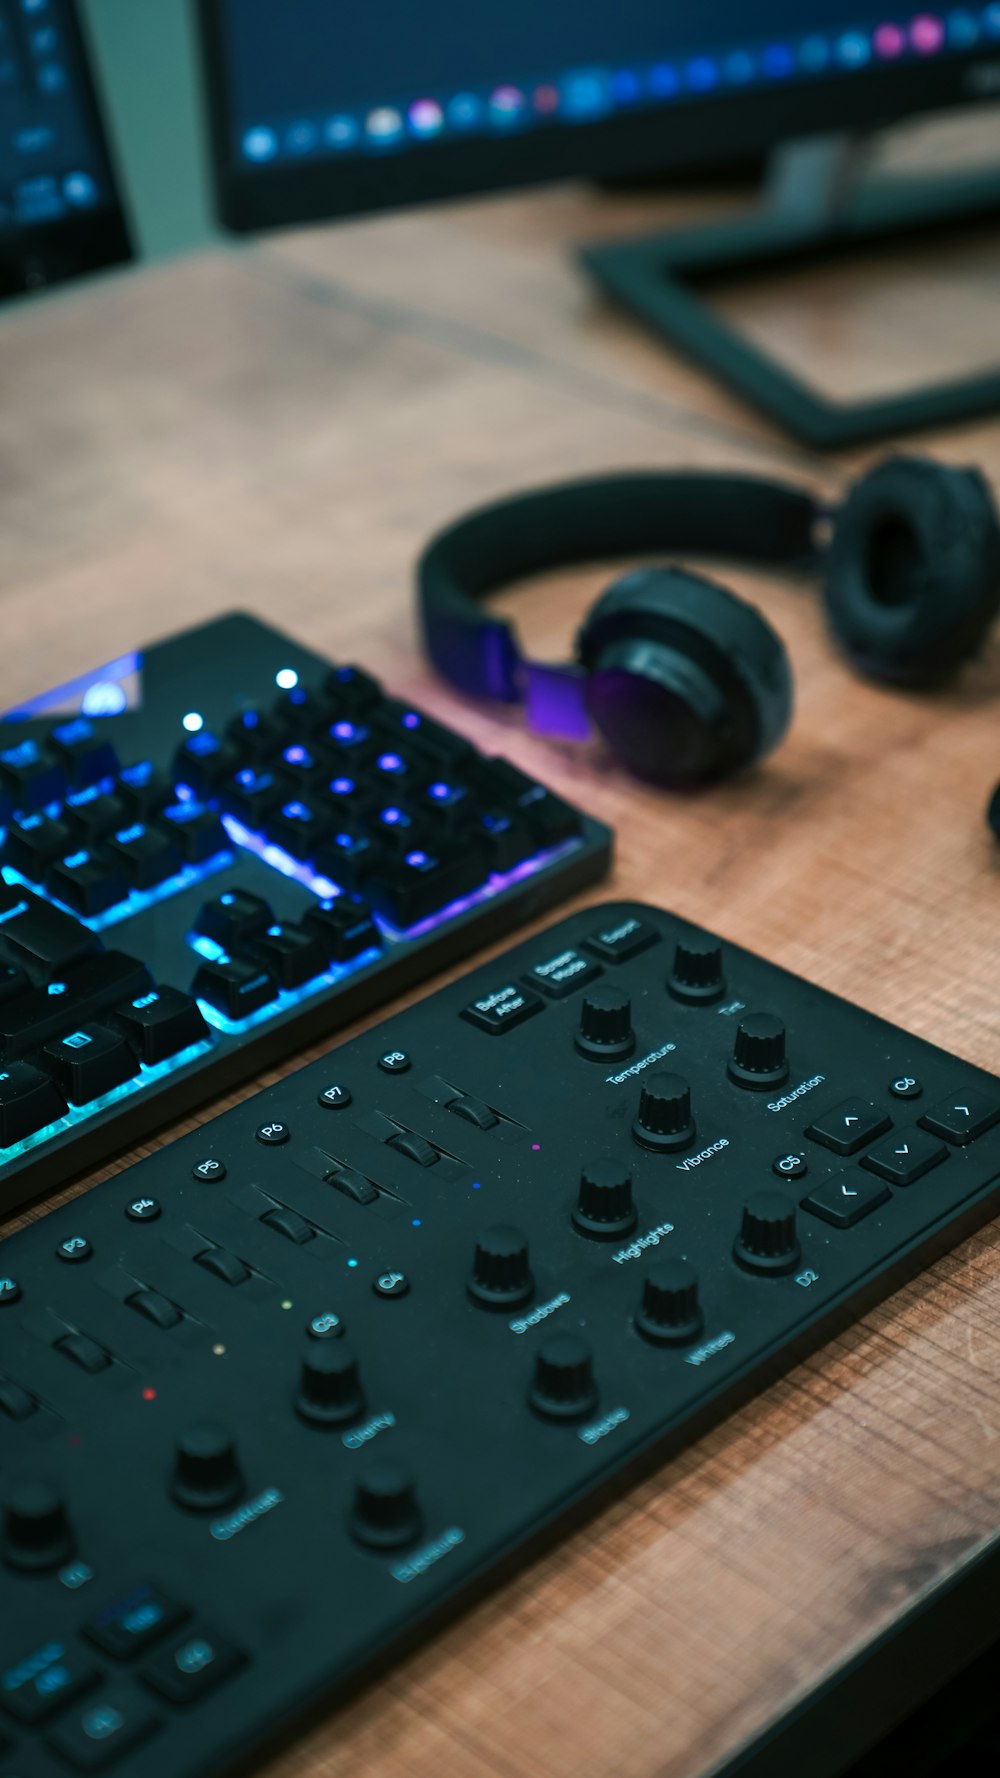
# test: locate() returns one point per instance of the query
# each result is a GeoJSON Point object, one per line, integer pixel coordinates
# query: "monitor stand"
{"type": "Point", "coordinates": [817, 207]}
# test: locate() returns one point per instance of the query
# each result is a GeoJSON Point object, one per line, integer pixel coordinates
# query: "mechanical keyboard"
{"type": "Point", "coordinates": [220, 849]}
{"type": "Point", "coordinates": [277, 1397]}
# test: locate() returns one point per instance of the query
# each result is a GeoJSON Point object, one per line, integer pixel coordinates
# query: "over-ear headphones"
{"type": "Point", "coordinates": [685, 681]}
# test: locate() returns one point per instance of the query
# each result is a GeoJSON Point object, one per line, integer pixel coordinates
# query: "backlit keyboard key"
{"type": "Point", "coordinates": [236, 988]}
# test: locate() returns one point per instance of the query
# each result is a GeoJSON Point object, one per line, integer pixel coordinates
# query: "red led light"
{"type": "Point", "coordinates": [149, 1395]}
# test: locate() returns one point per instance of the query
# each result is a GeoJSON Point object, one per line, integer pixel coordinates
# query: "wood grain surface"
{"type": "Point", "coordinates": [279, 428]}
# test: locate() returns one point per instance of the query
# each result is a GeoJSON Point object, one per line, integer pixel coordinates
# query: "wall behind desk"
{"type": "Point", "coordinates": [147, 69]}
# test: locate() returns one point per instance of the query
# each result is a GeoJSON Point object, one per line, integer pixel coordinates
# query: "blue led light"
{"type": "Point", "coordinates": [701, 74]}
{"type": "Point", "coordinates": [193, 722]}
{"type": "Point", "coordinates": [777, 61]}
{"type": "Point", "coordinates": [393, 818]}
{"type": "Point", "coordinates": [343, 786]}
{"type": "Point", "coordinates": [247, 778]}
{"type": "Point", "coordinates": [352, 1263]}
{"type": "Point", "coordinates": [140, 899]}
{"type": "Point", "coordinates": [664, 82]}
{"type": "Point", "coordinates": [411, 719]}
{"type": "Point", "coordinates": [105, 698]}
{"type": "Point", "coordinates": [739, 67]}
{"type": "Point", "coordinates": [440, 792]}
{"type": "Point", "coordinates": [346, 731]}
{"type": "Point", "coordinates": [391, 762]}
{"type": "Point", "coordinates": [278, 859]}
{"type": "Point", "coordinates": [79, 1114]}
{"type": "Point", "coordinates": [207, 948]}
{"type": "Point", "coordinates": [297, 756]}
{"type": "Point", "coordinates": [287, 679]}
{"type": "Point", "coordinates": [296, 812]}
{"type": "Point", "coordinates": [417, 860]}
{"type": "Point", "coordinates": [415, 1222]}
{"type": "Point", "coordinates": [626, 86]}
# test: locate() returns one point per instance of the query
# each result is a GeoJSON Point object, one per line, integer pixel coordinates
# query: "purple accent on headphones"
{"type": "Point", "coordinates": [556, 699]}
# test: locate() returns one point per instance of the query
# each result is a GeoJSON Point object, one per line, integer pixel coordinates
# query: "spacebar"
{"type": "Point", "coordinates": [88, 990]}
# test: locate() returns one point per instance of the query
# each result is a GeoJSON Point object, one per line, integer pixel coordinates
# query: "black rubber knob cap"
{"type": "Point", "coordinates": [605, 1033]}
{"type": "Point", "coordinates": [758, 1059]}
{"type": "Point", "coordinates": [697, 976]}
{"type": "Point", "coordinates": [604, 1207]}
{"type": "Point", "coordinates": [669, 1312]}
{"type": "Point", "coordinates": [501, 1271]}
{"type": "Point", "coordinates": [206, 1471]}
{"type": "Point", "coordinates": [563, 1387]}
{"type": "Point", "coordinates": [664, 1121]}
{"type": "Point", "coordinates": [386, 1512]}
{"type": "Point", "coordinates": [767, 1241]}
{"type": "Point", "coordinates": [36, 1528]}
{"type": "Point", "coordinates": [330, 1390]}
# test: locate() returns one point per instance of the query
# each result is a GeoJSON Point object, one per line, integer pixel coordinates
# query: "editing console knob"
{"type": "Point", "coordinates": [36, 1527]}
{"type": "Point", "coordinates": [767, 1241]}
{"type": "Point", "coordinates": [758, 1059]}
{"type": "Point", "coordinates": [563, 1387]}
{"type": "Point", "coordinates": [697, 974]}
{"type": "Point", "coordinates": [664, 1121]}
{"type": "Point", "coordinates": [605, 1032]}
{"type": "Point", "coordinates": [669, 1312]}
{"type": "Point", "coordinates": [386, 1513]}
{"type": "Point", "coordinates": [501, 1274]}
{"type": "Point", "coordinates": [604, 1208]}
{"type": "Point", "coordinates": [329, 1392]}
{"type": "Point", "coordinates": [206, 1472]}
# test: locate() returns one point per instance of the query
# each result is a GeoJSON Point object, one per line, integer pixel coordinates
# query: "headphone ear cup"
{"type": "Point", "coordinates": [686, 682]}
{"type": "Point", "coordinates": [913, 570]}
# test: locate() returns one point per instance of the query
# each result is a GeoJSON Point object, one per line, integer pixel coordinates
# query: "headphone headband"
{"type": "Point", "coordinates": [589, 521]}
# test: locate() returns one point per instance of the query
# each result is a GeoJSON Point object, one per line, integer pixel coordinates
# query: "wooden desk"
{"type": "Point", "coordinates": [280, 428]}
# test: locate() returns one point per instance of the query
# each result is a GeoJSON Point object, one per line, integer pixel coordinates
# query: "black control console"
{"type": "Point", "coordinates": [274, 1398]}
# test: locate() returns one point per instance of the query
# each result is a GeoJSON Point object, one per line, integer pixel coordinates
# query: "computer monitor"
{"type": "Point", "coordinates": [60, 212]}
{"type": "Point", "coordinates": [320, 108]}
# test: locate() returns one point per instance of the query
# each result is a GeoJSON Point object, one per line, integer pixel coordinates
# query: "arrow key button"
{"type": "Point", "coordinates": [845, 1200]}
{"type": "Point", "coordinates": [906, 1156]}
{"type": "Point", "coordinates": [963, 1116]}
{"type": "Point", "coordinates": [849, 1126]}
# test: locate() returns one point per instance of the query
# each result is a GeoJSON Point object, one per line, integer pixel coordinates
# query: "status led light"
{"type": "Point", "coordinates": [426, 117]}
{"type": "Point", "coordinates": [926, 34]}
{"type": "Point", "coordinates": [193, 722]}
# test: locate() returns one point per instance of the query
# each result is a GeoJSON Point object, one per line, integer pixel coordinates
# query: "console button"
{"type": "Point", "coordinates": [664, 1122]}
{"type": "Point", "coordinates": [963, 1117]}
{"type": "Point", "coordinates": [849, 1126]}
{"type": "Point", "coordinates": [207, 1474]}
{"type": "Point", "coordinates": [562, 975]}
{"type": "Point", "coordinates": [906, 1156]}
{"type": "Point", "coordinates": [669, 1312]}
{"type": "Point", "coordinates": [37, 1687]}
{"type": "Point", "coordinates": [353, 1185]}
{"type": "Point", "coordinates": [563, 1387]}
{"type": "Point", "coordinates": [329, 1392]}
{"type": "Point", "coordinates": [503, 1009]}
{"type": "Point", "coordinates": [104, 1732]}
{"type": "Point", "coordinates": [193, 1667]}
{"type": "Point", "coordinates": [625, 939]}
{"type": "Point", "coordinates": [697, 977]}
{"type": "Point", "coordinates": [847, 1199]}
{"type": "Point", "coordinates": [127, 1626]}
{"type": "Point", "coordinates": [759, 1060]}
{"type": "Point", "coordinates": [501, 1270]}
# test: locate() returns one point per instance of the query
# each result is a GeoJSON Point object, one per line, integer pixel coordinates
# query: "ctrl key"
{"type": "Point", "coordinates": [191, 1668]}
{"type": "Point", "coordinates": [95, 1737]}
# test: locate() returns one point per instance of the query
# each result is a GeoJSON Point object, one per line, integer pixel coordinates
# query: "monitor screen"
{"type": "Point", "coordinates": [60, 212]}
{"type": "Point", "coordinates": [390, 102]}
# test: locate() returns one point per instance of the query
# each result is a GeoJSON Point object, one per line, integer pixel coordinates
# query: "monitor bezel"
{"type": "Point", "coordinates": [682, 134]}
{"type": "Point", "coordinates": [50, 253]}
